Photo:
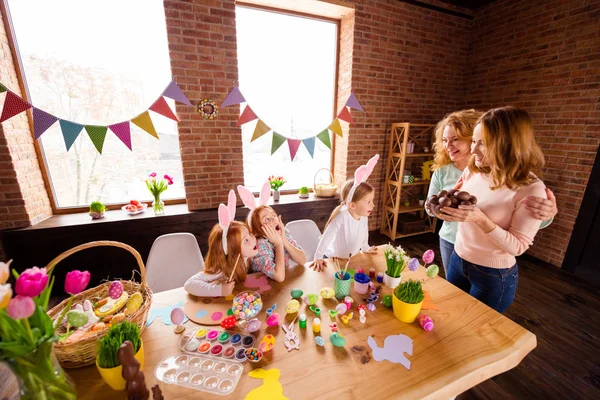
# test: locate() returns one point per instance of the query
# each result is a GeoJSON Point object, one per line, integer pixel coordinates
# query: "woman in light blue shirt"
{"type": "Point", "coordinates": [452, 148]}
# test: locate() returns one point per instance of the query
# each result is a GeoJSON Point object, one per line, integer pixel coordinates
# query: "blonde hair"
{"type": "Point", "coordinates": [511, 148]}
{"type": "Point", "coordinates": [463, 122]}
{"type": "Point", "coordinates": [255, 223]}
{"type": "Point", "coordinates": [217, 261]}
{"type": "Point", "coordinates": [362, 190]}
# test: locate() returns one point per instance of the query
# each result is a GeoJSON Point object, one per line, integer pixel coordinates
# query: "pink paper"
{"type": "Point", "coordinates": [294, 144]}
{"type": "Point", "coordinates": [394, 347]}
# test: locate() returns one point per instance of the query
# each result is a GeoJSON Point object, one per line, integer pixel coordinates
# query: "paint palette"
{"type": "Point", "coordinates": [200, 372]}
{"type": "Point", "coordinates": [222, 344]}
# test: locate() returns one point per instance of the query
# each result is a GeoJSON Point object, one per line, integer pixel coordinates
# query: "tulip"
{"type": "Point", "coordinates": [31, 282]}
{"type": "Point", "coordinates": [4, 271]}
{"type": "Point", "coordinates": [20, 307]}
{"type": "Point", "coordinates": [76, 281]}
{"type": "Point", "coordinates": [153, 175]}
{"type": "Point", "coordinates": [5, 295]}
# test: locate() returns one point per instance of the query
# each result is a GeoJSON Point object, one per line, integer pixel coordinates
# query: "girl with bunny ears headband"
{"type": "Point", "coordinates": [275, 244]}
{"type": "Point", "coordinates": [230, 245]}
{"type": "Point", "coordinates": [347, 231]}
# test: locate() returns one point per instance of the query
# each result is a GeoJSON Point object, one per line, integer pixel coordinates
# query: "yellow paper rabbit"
{"type": "Point", "coordinates": [271, 389]}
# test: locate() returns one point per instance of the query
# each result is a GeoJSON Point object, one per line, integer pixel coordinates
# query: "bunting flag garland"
{"type": "Point", "coordinates": [42, 120]}
{"type": "Point", "coordinates": [235, 97]}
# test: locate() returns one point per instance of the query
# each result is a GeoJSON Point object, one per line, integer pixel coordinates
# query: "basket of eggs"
{"type": "Point", "coordinates": [105, 305]}
{"type": "Point", "coordinates": [324, 189]}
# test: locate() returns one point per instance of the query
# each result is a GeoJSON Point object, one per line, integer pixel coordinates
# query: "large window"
{"type": "Point", "coordinates": [287, 69]}
{"type": "Point", "coordinates": [100, 63]}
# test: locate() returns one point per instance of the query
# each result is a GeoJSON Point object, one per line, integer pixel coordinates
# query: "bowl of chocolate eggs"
{"type": "Point", "coordinates": [450, 198]}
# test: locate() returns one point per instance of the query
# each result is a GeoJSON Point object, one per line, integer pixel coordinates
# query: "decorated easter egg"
{"type": "Point", "coordinates": [228, 322]}
{"type": "Point", "coordinates": [428, 256]}
{"type": "Point", "coordinates": [297, 293]}
{"type": "Point", "coordinates": [133, 303]}
{"type": "Point", "coordinates": [337, 339]}
{"type": "Point", "coordinates": [341, 308]}
{"type": "Point", "coordinates": [253, 325]}
{"type": "Point", "coordinates": [177, 316]}
{"type": "Point", "coordinates": [426, 322]}
{"type": "Point", "coordinates": [77, 318]}
{"type": "Point", "coordinates": [311, 298]}
{"type": "Point", "coordinates": [413, 264]}
{"type": "Point", "coordinates": [292, 306]}
{"type": "Point", "coordinates": [115, 290]}
{"type": "Point", "coordinates": [327, 293]}
{"type": "Point", "coordinates": [267, 343]}
{"type": "Point", "coordinates": [273, 319]}
{"type": "Point", "coordinates": [432, 271]}
{"type": "Point", "coordinates": [387, 300]}
{"type": "Point", "coordinates": [320, 341]}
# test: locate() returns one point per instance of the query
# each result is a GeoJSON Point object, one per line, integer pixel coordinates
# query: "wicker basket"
{"type": "Point", "coordinates": [83, 352]}
{"type": "Point", "coordinates": [329, 191]}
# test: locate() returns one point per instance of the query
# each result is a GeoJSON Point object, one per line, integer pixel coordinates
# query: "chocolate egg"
{"type": "Point", "coordinates": [463, 196]}
{"type": "Point", "coordinates": [473, 200]}
{"type": "Point", "coordinates": [445, 202]}
{"type": "Point", "coordinates": [455, 202]}
{"type": "Point", "coordinates": [452, 192]}
{"type": "Point", "coordinates": [443, 193]}
{"type": "Point", "coordinates": [435, 209]}
{"type": "Point", "coordinates": [434, 200]}
{"type": "Point", "coordinates": [465, 203]}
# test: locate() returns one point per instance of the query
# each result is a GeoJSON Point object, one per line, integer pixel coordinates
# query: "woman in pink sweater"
{"type": "Point", "coordinates": [501, 174]}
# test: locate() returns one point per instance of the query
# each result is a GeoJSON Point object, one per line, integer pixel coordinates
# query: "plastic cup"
{"type": "Point", "coordinates": [341, 286]}
{"type": "Point", "coordinates": [361, 283]}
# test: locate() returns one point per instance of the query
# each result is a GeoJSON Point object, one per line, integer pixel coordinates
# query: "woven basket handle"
{"type": "Point", "coordinates": [317, 173]}
{"type": "Point", "coordinates": [99, 243]}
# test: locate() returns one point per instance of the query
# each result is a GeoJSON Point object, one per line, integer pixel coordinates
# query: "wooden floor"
{"type": "Point", "coordinates": [559, 308]}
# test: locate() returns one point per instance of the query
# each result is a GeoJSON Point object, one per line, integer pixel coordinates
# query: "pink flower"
{"type": "Point", "coordinates": [20, 307]}
{"type": "Point", "coordinates": [76, 281]}
{"type": "Point", "coordinates": [5, 295]}
{"type": "Point", "coordinates": [31, 282]}
{"type": "Point", "coordinates": [153, 175]}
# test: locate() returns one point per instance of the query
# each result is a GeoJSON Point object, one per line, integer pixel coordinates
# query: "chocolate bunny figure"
{"type": "Point", "coordinates": [292, 341]}
{"type": "Point", "coordinates": [136, 383]}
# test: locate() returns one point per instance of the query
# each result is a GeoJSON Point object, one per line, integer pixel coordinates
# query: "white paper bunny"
{"type": "Point", "coordinates": [361, 175]}
{"type": "Point", "coordinates": [292, 341]}
{"type": "Point", "coordinates": [251, 202]}
{"type": "Point", "coordinates": [226, 215]}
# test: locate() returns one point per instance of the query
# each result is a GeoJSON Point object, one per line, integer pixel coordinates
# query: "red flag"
{"type": "Point", "coordinates": [345, 116]}
{"type": "Point", "coordinates": [162, 107]}
{"type": "Point", "coordinates": [247, 116]}
{"type": "Point", "coordinates": [13, 105]}
{"type": "Point", "coordinates": [293, 144]}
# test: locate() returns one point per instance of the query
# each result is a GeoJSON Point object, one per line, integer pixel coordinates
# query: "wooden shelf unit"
{"type": "Point", "coordinates": [394, 191]}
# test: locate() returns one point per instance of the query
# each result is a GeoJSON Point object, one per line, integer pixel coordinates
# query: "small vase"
{"type": "Point", "coordinates": [41, 376]}
{"type": "Point", "coordinates": [276, 195]}
{"type": "Point", "coordinates": [390, 281]}
{"type": "Point", "coordinates": [97, 215]}
{"type": "Point", "coordinates": [405, 312]}
{"type": "Point", "coordinates": [158, 206]}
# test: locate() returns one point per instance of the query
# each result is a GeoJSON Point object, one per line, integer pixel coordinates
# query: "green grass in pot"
{"type": "Point", "coordinates": [97, 207]}
{"type": "Point", "coordinates": [109, 345]}
{"type": "Point", "coordinates": [410, 292]}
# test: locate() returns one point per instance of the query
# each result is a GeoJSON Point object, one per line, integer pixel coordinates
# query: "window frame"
{"type": "Point", "coordinates": [21, 79]}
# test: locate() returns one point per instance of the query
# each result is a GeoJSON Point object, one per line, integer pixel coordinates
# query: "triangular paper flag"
{"type": "Point", "coordinates": [247, 116]}
{"type": "Point", "coordinates": [261, 129]}
{"type": "Point", "coordinates": [173, 92]}
{"type": "Point", "coordinates": [352, 102]}
{"type": "Point", "coordinates": [309, 143]}
{"type": "Point", "coordinates": [70, 131]}
{"type": "Point", "coordinates": [145, 122]}
{"type": "Point", "coordinates": [324, 137]}
{"type": "Point", "coordinates": [278, 140]}
{"type": "Point", "coordinates": [13, 105]}
{"type": "Point", "coordinates": [123, 132]}
{"type": "Point", "coordinates": [2, 88]}
{"type": "Point", "coordinates": [336, 128]}
{"type": "Point", "coordinates": [161, 107]}
{"type": "Point", "coordinates": [41, 121]}
{"type": "Point", "coordinates": [234, 97]}
{"type": "Point", "coordinates": [293, 144]}
{"type": "Point", "coordinates": [344, 115]}
{"type": "Point", "coordinates": [97, 134]}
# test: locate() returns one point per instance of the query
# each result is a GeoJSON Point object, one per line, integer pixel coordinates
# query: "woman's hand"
{"type": "Point", "coordinates": [273, 236]}
{"type": "Point", "coordinates": [540, 208]}
{"type": "Point", "coordinates": [227, 288]}
{"type": "Point", "coordinates": [467, 214]}
{"type": "Point", "coordinates": [318, 265]}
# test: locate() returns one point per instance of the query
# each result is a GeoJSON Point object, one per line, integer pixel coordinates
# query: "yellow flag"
{"type": "Point", "coordinates": [261, 129]}
{"type": "Point", "coordinates": [145, 122]}
{"type": "Point", "coordinates": [336, 128]}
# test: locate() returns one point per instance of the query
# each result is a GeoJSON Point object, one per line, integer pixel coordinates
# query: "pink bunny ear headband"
{"type": "Point", "coordinates": [226, 215]}
{"type": "Point", "coordinates": [361, 175]}
{"type": "Point", "coordinates": [249, 200]}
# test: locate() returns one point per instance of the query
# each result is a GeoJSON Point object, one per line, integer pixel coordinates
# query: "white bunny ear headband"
{"type": "Point", "coordinates": [226, 215]}
{"type": "Point", "coordinates": [249, 200]}
{"type": "Point", "coordinates": [361, 175]}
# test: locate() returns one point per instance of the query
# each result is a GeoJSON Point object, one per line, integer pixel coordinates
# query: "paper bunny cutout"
{"type": "Point", "coordinates": [226, 215]}
{"type": "Point", "coordinates": [292, 341]}
{"type": "Point", "coordinates": [361, 175]}
{"type": "Point", "coordinates": [394, 347]}
{"type": "Point", "coordinates": [249, 200]}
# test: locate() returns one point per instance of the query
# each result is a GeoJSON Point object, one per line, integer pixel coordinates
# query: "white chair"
{"type": "Point", "coordinates": [172, 260]}
{"type": "Point", "coordinates": [307, 234]}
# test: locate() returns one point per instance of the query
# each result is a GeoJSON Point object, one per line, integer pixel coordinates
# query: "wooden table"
{"type": "Point", "coordinates": [469, 344]}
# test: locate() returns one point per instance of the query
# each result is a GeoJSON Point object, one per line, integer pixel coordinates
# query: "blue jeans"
{"type": "Point", "coordinates": [446, 249]}
{"type": "Point", "coordinates": [492, 286]}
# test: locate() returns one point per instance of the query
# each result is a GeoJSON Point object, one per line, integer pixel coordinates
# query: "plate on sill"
{"type": "Point", "coordinates": [135, 212]}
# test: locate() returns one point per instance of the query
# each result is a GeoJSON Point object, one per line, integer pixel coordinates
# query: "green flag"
{"type": "Point", "coordinates": [97, 134]}
{"type": "Point", "coordinates": [278, 140]}
{"type": "Point", "coordinates": [2, 88]}
{"type": "Point", "coordinates": [324, 137]}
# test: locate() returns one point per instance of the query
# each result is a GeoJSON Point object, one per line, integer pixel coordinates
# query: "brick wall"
{"type": "Point", "coordinates": [544, 56]}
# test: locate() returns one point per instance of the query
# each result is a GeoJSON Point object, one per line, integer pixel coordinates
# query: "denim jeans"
{"type": "Point", "coordinates": [446, 249]}
{"type": "Point", "coordinates": [492, 286]}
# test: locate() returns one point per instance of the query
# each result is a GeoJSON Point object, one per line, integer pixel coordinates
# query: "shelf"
{"type": "Point", "coordinates": [395, 183]}
{"type": "Point", "coordinates": [413, 154]}
{"type": "Point", "coordinates": [402, 235]}
{"type": "Point", "coordinates": [404, 209]}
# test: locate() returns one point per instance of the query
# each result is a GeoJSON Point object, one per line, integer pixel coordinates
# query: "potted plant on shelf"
{"type": "Point", "coordinates": [396, 260]}
{"type": "Point", "coordinates": [276, 182]}
{"type": "Point", "coordinates": [107, 359]}
{"type": "Point", "coordinates": [303, 192]}
{"type": "Point", "coordinates": [97, 210]}
{"type": "Point", "coordinates": [407, 300]}
{"type": "Point", "coordinates": [421, 197]}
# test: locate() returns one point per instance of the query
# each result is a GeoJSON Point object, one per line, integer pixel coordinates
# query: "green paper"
{"type": "Point", "coordinates": [97, 134]}
{"type": "Point", "coordinates": [278, 140]}
{"type": "Point", "coordinates": [324, 137]}
{"type": "Point", "coordinates": [2, 88]}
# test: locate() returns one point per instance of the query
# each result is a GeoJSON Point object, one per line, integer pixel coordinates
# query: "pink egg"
{"type": "Point", "coordinates": [428, 256]}
{"type": "Point", "coordinates": [177, 316]}
{"type": "Point", "coordinates": [115, 290]}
